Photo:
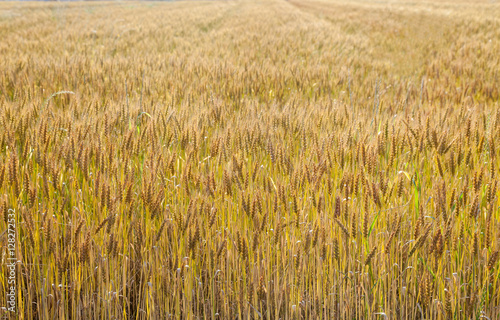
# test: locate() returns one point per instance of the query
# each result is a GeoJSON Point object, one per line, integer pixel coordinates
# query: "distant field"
{"type": "Point", "coordinates": [250, 159]}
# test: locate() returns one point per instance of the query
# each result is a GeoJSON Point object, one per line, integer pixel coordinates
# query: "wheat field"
{"type": "Point", "coordinates": [316, 159]}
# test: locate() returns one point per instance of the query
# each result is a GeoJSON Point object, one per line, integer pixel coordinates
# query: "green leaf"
{"type": "Point", "coordinates": [427, 267]}
{"type": "Point", "coordinates": [373, 223]}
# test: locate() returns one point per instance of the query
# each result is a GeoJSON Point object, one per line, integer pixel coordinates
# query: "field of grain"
{"type": "Point", "coordinates": [317, 159]}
